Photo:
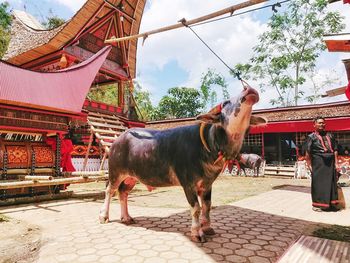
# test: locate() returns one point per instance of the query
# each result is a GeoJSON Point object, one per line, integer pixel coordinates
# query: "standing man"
{"type": "Point", "coordinates": [321, 158]}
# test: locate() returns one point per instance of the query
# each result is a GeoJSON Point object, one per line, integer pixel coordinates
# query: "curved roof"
{"type": "Point", "coordinates": [28, 43]}
{"type": "Point", "coordinates": [28, 20]}
{"type": "Point", "coordinates": [63, 91]}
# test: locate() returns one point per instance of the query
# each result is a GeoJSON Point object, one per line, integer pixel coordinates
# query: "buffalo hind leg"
{"type": "Point", "coordinates": [125, 187]}
{"type": "Point", "coordinates": [197, 234]}
{"type": "Point", "coordinates": [205, 215]}
{"type": "Point", "coordinates": [104, 212]}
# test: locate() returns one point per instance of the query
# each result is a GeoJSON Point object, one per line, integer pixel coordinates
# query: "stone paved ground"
{"type": "Point", "coordinates": [71, 232]}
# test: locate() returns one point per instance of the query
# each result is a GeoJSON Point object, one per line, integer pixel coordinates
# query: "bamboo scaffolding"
{"type": "Point", "coordinates": [72, 180]}
{"type": "Point", "coordinates": [85, 173]}
{"type": "Point", "coordinates": [183, 22]}
{"type": "Point", "coordinates": [37, 177]}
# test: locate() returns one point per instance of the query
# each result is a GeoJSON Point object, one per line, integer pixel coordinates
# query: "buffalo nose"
{"type": "Point", "coordinates": [249, 94]}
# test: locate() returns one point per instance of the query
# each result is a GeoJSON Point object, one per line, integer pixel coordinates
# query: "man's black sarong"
{"type": "Point", "coordinates": [321, 148]}
{"type": "Point", "coordinates": [324, 180]}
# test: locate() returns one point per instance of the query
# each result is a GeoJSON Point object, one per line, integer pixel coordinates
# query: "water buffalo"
{"type": "Point", "coordinates": [250, 161]}
{"type": "Point", "coordinates": [191, 156]}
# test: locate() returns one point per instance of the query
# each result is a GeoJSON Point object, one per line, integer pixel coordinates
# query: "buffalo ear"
{"type": "Point", "coordinates": [212, 116]}
{"type": "Point", "coordinates": [209, 117]}
{"type": "Point", "coordinates": [257, 121]}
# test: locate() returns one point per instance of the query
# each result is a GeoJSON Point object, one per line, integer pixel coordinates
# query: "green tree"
{"type": "Point", "coordinates": [5, 22]}
{"type": "Point", "coordinates": [287, 52]}
{"type": "Point", "coordinates": [208, 80]}
{"type": "Point", "coordinates": [143, 102]}
{"type": "Point", "coordinates": [180, 102]}
{"type": "Point", "coordinates": [53, 22]}
{"type": "Point", "coordinates": [106, 94]}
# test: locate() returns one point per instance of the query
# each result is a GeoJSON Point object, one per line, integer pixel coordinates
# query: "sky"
{"type": "Point", "coordinates": [178, 59]}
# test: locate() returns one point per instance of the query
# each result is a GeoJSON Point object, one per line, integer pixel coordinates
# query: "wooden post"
{"type": "Point", "coordinates": [121, 94]}
{"type": "Point", "coordinates": [103, 160]}
{"type": "Point", "coordinates": [262, 146]}
{"type": "Point", "coordinates": [58, 156]}
{"type": "Point", "coordinates": [88, 150]}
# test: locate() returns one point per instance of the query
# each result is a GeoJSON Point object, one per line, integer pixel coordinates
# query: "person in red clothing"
{"type": "Point", "coordinates": [66, 157]}
{"type": "Point", "coordinates": [66, 150]}
{"type": "Point", "coordinates": [321, 159]}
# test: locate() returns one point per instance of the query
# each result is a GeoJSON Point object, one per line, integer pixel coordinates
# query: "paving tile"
{"type": "Point", "coordinates": [244, 252]}
{"type": "Point", "coordinates": [110, 259]}
{"type": "Point", "coordinates": [86, 251]}
{"type": "Point", "coordinates": [257, 259]}
{"type": "Point", "coordinates": [87, 258]}
{"type": "Point", "coordinates": [236, 259]}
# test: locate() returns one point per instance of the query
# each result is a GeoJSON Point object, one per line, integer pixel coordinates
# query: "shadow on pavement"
{"type": "Point", "coordinates": [295, 188]}
{"type": "Point", "coordinates": [242, 235]}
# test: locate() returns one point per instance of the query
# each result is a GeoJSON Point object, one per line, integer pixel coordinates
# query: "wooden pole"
{"type": "Point", "coordinates": [103, 159]}
{"type": "Point", "coordinates": [37, 177]}
{"type": "Point", "coordinates": [230, 10]}
{"type": "Point", "coordinates": [85, 173]}
{"type": "Point", "coordinates": [88, 150]}
{"type": "Point", "coordinates": [72, 180]}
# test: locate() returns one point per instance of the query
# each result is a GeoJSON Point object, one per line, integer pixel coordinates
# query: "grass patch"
{"type": "Point", "coordinates": [334, 232]}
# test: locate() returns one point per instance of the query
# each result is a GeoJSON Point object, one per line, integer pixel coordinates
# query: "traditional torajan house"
{"type": "Point", "coordinates": [36, 49]}
{"type": "Point", "coordinates": [36, 110]}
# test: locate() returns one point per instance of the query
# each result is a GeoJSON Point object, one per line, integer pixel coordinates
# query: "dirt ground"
{"type": "Point", "coordinates": [20, 242]}
{"type": "Point", "coordinates": [226, 189]}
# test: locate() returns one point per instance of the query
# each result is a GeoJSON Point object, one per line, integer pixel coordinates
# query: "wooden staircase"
{"type": "Point", "coordinates": [106, 128]}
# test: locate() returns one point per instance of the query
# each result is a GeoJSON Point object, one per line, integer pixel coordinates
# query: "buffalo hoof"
{"type": "Point", "coordinates": [199, 239]}
{"type": "Point", "coordinates": [128, 221]}
{"type": "Point", "coordinates": [103, 220]}
{"type": "Point", "coordinates": [208, 231]}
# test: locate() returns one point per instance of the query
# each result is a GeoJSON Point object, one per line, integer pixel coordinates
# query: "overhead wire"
{"type": "Point", "coordinates": [234, 72]}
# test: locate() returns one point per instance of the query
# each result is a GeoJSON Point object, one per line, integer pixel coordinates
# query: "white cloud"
{"type": "Point", "coordinates": [232, 39]}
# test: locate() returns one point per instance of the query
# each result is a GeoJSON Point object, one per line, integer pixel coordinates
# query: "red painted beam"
{"type": "Point", "coordinates": [332, 124]}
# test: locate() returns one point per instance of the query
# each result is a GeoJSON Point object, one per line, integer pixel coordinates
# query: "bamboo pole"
{"type": "Point", "coordinates": [72, 180]}
{"type": "Point", "coordinates": [37, 177]}
{"type": "Point", "coordinates": [91, 173]}
{"type": "Point", "coordinates": [103, 159]}
{"type": "Point", "coordinates": [183, 22]}
{"type": "Point", "coordinates": [88, 150]}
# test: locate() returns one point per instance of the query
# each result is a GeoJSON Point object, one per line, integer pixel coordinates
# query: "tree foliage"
{"type": "Point", "coordinates": [286, 55]}
{"type": "Point", "coordinates": [180, 102]}
{"type": "Point", "coordinates": [106, 94]}
{"type": "Point", "coordinates": [209, 80]}
{"type": "Point", "coordinates": [53, 22]}
{"type": "Point", "coordinates": [5, 22]}
{"type": "Point", "coordinates": [143, 102]}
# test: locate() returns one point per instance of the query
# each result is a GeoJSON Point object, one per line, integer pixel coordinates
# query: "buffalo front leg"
{"type": "Point", "coordinates": [205, 215]}
{"type": "Point", "coordinates": [104, 212]}
{"type": "Point", "coordinates": [197, 234]}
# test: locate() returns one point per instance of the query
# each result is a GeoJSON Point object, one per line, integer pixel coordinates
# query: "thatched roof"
{"type": "Point", "coordinates": [25, 36]}
{"type": "Point", "coordinates": [28, 43]}
{"type": "Point", "coordinates": [297, 113]}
